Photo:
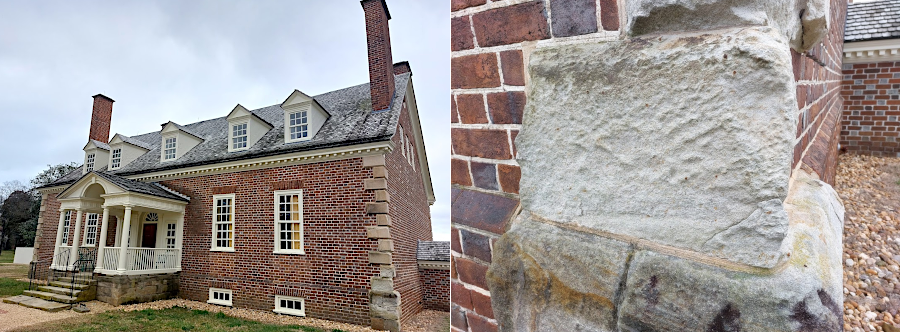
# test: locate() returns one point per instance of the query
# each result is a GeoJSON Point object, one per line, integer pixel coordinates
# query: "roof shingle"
{"type": "Point", "coordinates": [872, 20]}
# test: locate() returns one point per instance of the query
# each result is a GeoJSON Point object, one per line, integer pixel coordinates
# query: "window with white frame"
{"type": "Point", "coordinates": [223, 222]}
{"type": "Point", "coordinates": [239, 136]}
{"type": "Point", "coordinates": [402, 142]}
{"type": "Point", "coordinates": [65, 237]}
{"type": "Point", "coordinates": [89, 164]}
{"type": "Point", "coordinates": [152, 216]}
{"type": "Point", "coordinates": [289, 221]}
{"type": "Point", "coordinates": [170, 236]}
{"type": "Point", "coordinates": [298, 125]}
{"type": "Point", "coordinates": [289, 305]}
{"type": "Point", "coordinates": [90, 230]}
{"type": "Point", "coordinates": [169, 152]}
{"type": "Point", "coordinates": [116, 159]}
{"type": "Point", "coordinates": [219, 296]}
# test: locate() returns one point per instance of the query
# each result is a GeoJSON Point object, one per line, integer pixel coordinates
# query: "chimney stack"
{"type": "Point", "coordinates": [381, 65]}
{"type": "Point", "coordinates": [101, 118]}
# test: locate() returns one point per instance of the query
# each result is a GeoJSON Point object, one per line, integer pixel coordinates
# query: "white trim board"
{"type": "Point", "coordinates": [872, 51]}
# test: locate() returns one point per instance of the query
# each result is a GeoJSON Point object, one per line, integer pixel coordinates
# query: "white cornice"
{"type": "Point", "coordinates": [434, 265]}
{"type": "Point", "coordinates": [872, 51]}
{"type": "Point", "coordinates": [297, 158]}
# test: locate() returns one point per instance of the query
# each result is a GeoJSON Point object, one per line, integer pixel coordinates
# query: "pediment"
{"type": "Point", "coordinates": [78, 189]}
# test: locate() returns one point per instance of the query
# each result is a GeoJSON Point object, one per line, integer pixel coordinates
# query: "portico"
{"type": "Point", "coordinates": [148, 229]}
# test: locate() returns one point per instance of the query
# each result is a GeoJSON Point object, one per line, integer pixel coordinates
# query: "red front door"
{"type": "Point", "coordinates": [149, 240]}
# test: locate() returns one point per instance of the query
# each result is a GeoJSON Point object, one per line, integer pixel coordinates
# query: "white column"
{"type": "Point", "coordinates": [179, 231]}
{"type": "Point", "coordinates": [102, 244]}
{"type": "Point", "coordinates": [73, 255]}
{"type": "Point", "coordinates": [124, 247]}
{"type": "Point", "coordinates": [59, 234]}
{"type": "Point", "coordinates": [119, 220]}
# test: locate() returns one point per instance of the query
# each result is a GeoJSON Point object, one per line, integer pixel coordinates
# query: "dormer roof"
{"type": "Point", "coordinates": [240, 110]}
{"type": "Point", "coordinates": [96, 144]}
{"type": "Point", "coordinates": [298, 97]}
{"type": "Point", "coordinates": [132, 141]}
{"type": "Point", "coordinates": [172, 126]}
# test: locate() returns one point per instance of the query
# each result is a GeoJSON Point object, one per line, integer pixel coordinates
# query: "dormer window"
{"type": "Point", "coordinates": [116, 159]}
{"type": "Point", "coordinates": [298, 126]}
{"type": "Point", "coordinates": [169, 152]}
{"type": "Point", "coordinates": [89, 165]}
{"type": "Point", "coordinates": [239, 136]}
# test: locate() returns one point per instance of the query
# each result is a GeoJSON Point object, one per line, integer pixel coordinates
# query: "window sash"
{"type": "Point", "coordinates": [66, 224]}
{"type": "Point", "coordinates": [298, 125]}
{"type": "Point", "coordinates": [239, 136]}
{"type": "Point", "coordinates": [170, 236]}
{"type": "Point", "coordinates": [90, 229]}
{"type": "Point", "coordinates": [289, 221]}
{"type": "Point", "coordinates": [223, 222]}
{"type": "Point", "coordinates": [290, 305]}
{"type": "Point", "coordinates": [220, 296]}
{"type": "Point", "coordinates": [116, 158]}
{"type": "Point", "coordinates": [170, 148]}
{"type": "Point", "coordinates": [89, 165]}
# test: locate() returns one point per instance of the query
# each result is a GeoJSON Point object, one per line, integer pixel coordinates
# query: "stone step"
{"type": "Point", "coordinates": [51, 297]}
{"type": "Point", "coordinates": [31, 302]}
{"type": "Point", "coordinates": [60, 290]}
{"type": "Point", "coordinates": [68, 285]}
{"type": "Point", "coordinates": [84, 281]}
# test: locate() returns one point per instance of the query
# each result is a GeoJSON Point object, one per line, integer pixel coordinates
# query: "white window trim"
{"type": "Point", "coordinates": [112, 159]}
{"type": "Point", "coordinates": [286, 311]}
{"type": "Point", "coordinates": [163, 149]}
{"type": "Point", "coordinates": [221, 302]}
{"type": "Point", "coordinates": [67, 225]}
{"type": "Point", "coordinates": [231, 135]}
{"type": "Point", "coordinates": [174, 239]}
{"type": "Point", "coordinates": [212, 245]}
{"type": "Point", "coordinates": [84, 241]}
{"type": "Point", "coordinates": [90, 161]}
{"type": "Point", "coordinates": [276, 247]}
{"type": "Point", "coordinates": [287, 125]}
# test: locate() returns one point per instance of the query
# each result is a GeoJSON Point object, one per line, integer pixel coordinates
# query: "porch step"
{"type": "Point", "coordinates": [60, 290]}
{"type": "Point", "coordinates": [30, 302]}
{"type": "Point", "coordinates": [51, 297]}
{"type": "Point", "coordinates": [68, 285]}
{"type": "Point", "coordinates": [68, 280]}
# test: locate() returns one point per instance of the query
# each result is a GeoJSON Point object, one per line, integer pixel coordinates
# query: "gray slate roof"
{"type": "Point", "coordinates": [153, 189]}
{"type": "Point", "coordinates": [872, 20]}
{"type": "Point", "coordinates": [100, 144]}
{"type": "Point", "coordinates": [433, 251]}
{"type": "Point", "coordinates": [135, 142]}
{"type": "Point", "coordinates": [351, 122]}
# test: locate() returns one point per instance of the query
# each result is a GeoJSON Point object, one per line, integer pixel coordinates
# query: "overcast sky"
{"type": "Point", "coordinates": [186, 61]}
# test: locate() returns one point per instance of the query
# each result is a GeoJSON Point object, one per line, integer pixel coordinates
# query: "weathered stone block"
{"type": "Point", "coordinates": [382, 196]}
{"type": "Point", "coordinates": [377, 257]}
{"type": "Point", "coordinates": [378, 232]}
{"type": "Point", "coordinates": [380, 208]}
{"type": "Point", "coordinates": [383, 220]}
{"type": "Point", "coordinates": [379, 172]}
{"type": "Point", "coordinates": [374, 184]}
{"type": "Point", "coordinates": [372, 161]}
{"type": "Point", "coordinates": [566, 280]}
{"type": "Point", "coordinates": [381, 285]}
{"type": "Point", "coordinates": [387, 271]}
{"type": "Point", "coordinates": [385, 245]}
{"type": "Point", "coordinates": [700, 164]}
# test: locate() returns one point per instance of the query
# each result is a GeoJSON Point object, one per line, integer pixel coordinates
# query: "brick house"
{"type": "Point", "coordinates": [314, 206]}
{"type": "Point", "coordinates": [871, 80]}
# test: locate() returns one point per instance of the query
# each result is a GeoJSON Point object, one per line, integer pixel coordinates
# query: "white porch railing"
{"type": "Point", "coordinates": [61, 258]}
{"type": "Point", "coordinates": [111, 258]}
{"type": "Point", "coordinates": [140, 259]}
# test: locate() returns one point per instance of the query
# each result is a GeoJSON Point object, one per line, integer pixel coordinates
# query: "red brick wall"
{"type": "Point", "coordinates": [333, 275]}
{"type": "Point", "coordinates": [487, 102]}
{"type": "Point", "coordinates": [47, 238]}
{"type": "Point", "coordinates": [437, 289]}
{"type": "Point", "coordinates": [101, 117]}
{"type": "Point", "coordinates": [818, 76]}
{"type": "Point", "coordinates": [871, 117]}
{"type": "Point", "coordinates": [381, 65]}
{"type": "Point", "coordinates": [410, 217]}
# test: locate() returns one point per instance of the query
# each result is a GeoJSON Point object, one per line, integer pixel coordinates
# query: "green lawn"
{"type": "Point", "coordinates": [11, 287]}
{"type": "Point", "coordinates": [173, 319]}
{"type": "Point", "coordinates": [7, 256]}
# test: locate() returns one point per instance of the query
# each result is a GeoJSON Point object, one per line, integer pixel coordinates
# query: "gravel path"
{"type": "Point", "coordinates": [869, 188]}
{"type": "Point", "coordinates": [14, 316]}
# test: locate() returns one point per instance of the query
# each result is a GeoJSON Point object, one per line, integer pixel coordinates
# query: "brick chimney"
{"type": "Point", "coordinates": [101, 118]}
{"type": "Point", "coordinates": [381, 68]}
{"type": "Point", "coordinates": [401, 67]}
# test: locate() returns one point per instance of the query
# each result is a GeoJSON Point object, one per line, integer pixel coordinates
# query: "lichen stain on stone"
{"type": "Point", "coordinates": [728, 320]}
{"type": "Point", "coordinates": [812, 323]}
{"type": "Point", "coordinates": [650, 292]}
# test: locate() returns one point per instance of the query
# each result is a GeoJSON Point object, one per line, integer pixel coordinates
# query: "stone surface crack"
{"type": "Point", "coordinates": [620, 293]}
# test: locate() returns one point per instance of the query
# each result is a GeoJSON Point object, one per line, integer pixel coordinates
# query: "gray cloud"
{"type": "Point", "coordinates": [186, 61]}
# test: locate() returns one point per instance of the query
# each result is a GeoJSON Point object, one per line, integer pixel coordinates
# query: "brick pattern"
{"type": "Point", "coordinates": [818, 76]}
{"type": "Point", "coordinates": [488, 77]}
{"type": "Point", "coordinates": [101, 117]}
{"type": "Point", "coordinates": [870, 123]}
{"type": "Point", "coordinates": [381, 65]}
{"type": "Point", "coordinates": [411, 220]}
{"type": "Point", "coordinates": [436, 284]}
